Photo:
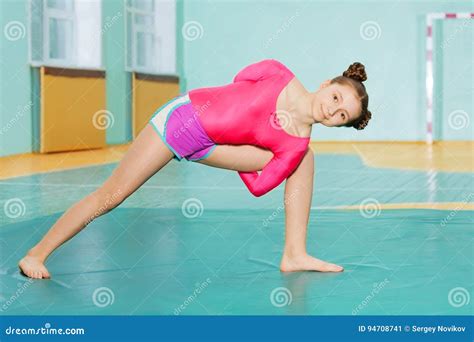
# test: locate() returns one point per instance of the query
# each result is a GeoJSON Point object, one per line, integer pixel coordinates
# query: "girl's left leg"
{"type": "Point", "coordinates": [146, 156]}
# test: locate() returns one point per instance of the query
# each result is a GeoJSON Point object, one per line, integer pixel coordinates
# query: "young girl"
{"type": "Point", "coordinates": [261, 121]}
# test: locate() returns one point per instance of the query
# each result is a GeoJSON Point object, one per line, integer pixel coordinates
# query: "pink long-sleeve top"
{"type": "Point", "coordinates": [243, 113]}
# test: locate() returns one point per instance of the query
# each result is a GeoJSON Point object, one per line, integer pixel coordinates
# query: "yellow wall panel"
{"type": "Point", "coordinates": [150, 93]}
{"type": "Point", "coordinates": [73, 115]}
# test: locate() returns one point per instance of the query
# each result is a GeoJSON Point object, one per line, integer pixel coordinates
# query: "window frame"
{"type": "Point", "coordinates": [68, 15]}
{"type": "Point", "coordinates": [54, 13]}
{"type": "Point", "coordinates": [152, 29]}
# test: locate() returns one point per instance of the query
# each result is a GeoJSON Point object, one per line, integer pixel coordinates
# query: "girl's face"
{"type": "Point", "coordinates": [335, 104]}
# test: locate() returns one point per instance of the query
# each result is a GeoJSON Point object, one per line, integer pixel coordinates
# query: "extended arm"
{"type": "Point", "coordinates": [273, 174]}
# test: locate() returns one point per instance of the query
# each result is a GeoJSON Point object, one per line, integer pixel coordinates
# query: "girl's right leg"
{"type": "Point", "coordinates": [147, 155]}
{"type": "Point", "coordinates": [245, 158]}
{"type": "Point", "coordinates": [298, 195]}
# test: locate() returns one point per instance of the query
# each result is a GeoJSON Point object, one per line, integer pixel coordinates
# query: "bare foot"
{"type": "Point", "coordinates": [33, 267]}
{"type": "Point", "coordinates": [307, 263]}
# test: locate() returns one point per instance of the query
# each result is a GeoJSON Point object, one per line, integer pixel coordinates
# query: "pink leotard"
{"type": "Point", "coordinates": [243, 113]}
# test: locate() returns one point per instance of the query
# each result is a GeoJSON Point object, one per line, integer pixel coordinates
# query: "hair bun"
{"type": "Point", "coordinates": [364, 121]}
{"type": "Point", "coordinates": [356, 71]}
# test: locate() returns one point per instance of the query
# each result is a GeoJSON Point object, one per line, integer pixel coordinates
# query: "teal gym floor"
{"type": "Point", "coordinates": [219, 254]}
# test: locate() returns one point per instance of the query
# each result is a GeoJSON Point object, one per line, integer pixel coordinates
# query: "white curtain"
{"type": "Point", "coordinates": [151, 36]}
{"type": "Point", "coordinates": [88, 33]}
{"type": "Point", "coordinates": [166, 28]}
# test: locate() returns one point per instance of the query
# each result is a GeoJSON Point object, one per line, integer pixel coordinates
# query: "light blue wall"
{"type": "Point", "coordinates": [118, 83]}
{"type": "Point", "coordinates": [318, 40]}
{"type": "Point", "coordinates": [15, 80]}
{"type": "Point", "coordinates": [455, 93]}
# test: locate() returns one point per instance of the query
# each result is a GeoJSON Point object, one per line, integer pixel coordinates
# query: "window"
{"type": "Point", "coordinates": [151, 36]}
{"type": "Point", "coordinates": [65, 33]}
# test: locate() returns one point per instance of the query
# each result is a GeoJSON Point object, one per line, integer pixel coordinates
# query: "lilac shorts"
{"type": "Point", "coordinates": [177, 124]}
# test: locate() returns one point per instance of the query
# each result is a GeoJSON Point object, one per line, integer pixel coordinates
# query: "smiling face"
{"type": "Point", "coordinates": [335, 104]}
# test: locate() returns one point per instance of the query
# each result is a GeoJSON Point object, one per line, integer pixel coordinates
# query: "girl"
{"type": "Point", "coordinates": [261, 121]}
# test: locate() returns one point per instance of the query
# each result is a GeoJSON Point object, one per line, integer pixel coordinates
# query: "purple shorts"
{"type": "Point", "coordinates": [177, 124]}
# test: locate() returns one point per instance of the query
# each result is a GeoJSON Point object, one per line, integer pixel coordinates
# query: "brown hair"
{"type": "Point", "coordinates": [354, 76]}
